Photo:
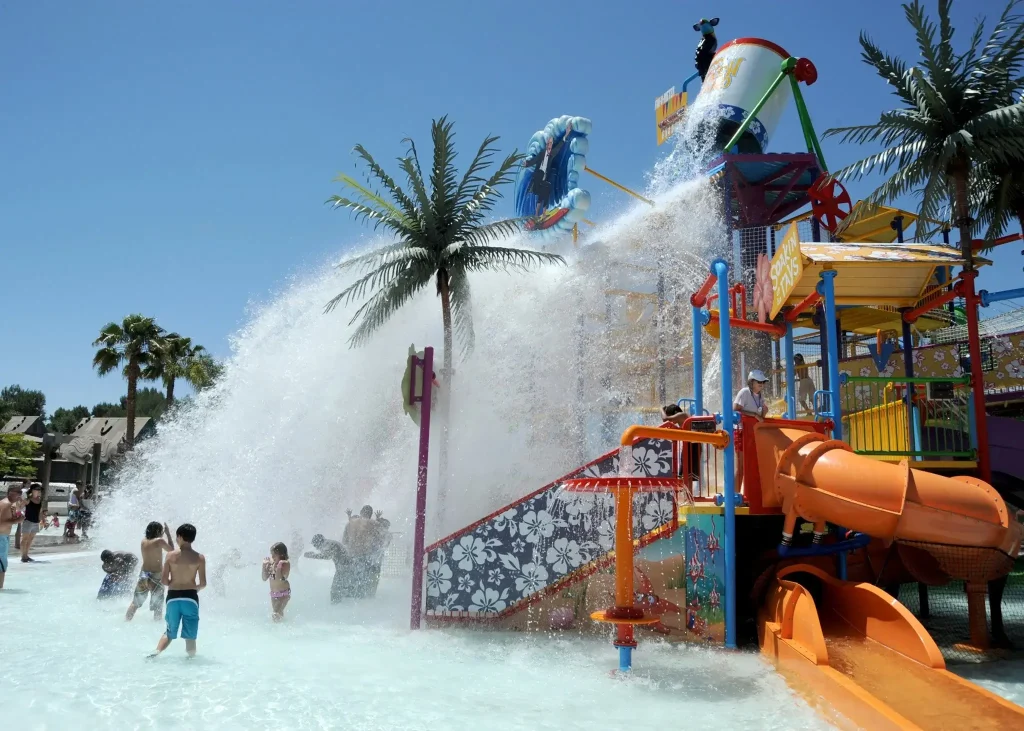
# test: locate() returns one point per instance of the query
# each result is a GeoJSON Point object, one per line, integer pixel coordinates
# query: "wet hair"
{"type": "Point", "coordinates": [317, 540]}
{"type": "Point", "coordinates": [798, 358]}
{"type": "Point", "coordinates": [106, 555]}
{"type": "Point", "coordinates": [187, 532]}
{"type": "Point", "coordinates": [279, 549]}
{"type": "Point", "coordinates": [154, 529]}
{"type": "Point", "coordinates": [671, 409]}
{"type": "Point", "coordinates": [13, 488]}
{"type": "Point", "coordinates": [366, 512]}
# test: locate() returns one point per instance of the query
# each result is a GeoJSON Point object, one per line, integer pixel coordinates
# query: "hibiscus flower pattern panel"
{"type": "Point", "coordinates": [541, 540]}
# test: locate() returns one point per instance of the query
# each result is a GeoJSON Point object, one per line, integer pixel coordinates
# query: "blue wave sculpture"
{"type": "Point", "coordinates": [547, 186]}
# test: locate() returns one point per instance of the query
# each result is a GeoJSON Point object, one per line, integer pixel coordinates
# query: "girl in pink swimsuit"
{"type": "Point", "coordinates": [276, 569]}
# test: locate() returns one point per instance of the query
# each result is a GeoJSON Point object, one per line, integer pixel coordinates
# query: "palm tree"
{"type": "Point", "coordinates": [442, 236]}
{"type": "Point", "coordinates": [177, 357]}
{"type": "Point", "coordinates": [958, 111]}
{"type": "Point", "coordinates": [132, 344]}
{"type": "Point", "coordinates": [997, 197]}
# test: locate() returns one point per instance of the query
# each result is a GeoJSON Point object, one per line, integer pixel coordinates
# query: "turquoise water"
{"type": "Point", "coordinates": [354, 666]}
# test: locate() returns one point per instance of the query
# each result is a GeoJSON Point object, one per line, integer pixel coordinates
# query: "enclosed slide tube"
{"type": "Point", "coordinates": [823, 481]}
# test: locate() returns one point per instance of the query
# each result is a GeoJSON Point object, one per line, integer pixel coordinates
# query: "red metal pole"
{"type": "Point", "coordinates": [699, 297]}
{"type": "Point", "coordinates": [763, 327]}
{"type": "Point", "coordinates": [806, 303]}
{"type": "Point", "coordinates": [427, 364]}
{"type": "Point", "coordinates": [952, 294]}
{"type": "Point", "coordinates": [977, 376]}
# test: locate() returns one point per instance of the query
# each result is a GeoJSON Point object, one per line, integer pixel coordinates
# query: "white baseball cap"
{"type": "Point", "coordinates": [757, 375]}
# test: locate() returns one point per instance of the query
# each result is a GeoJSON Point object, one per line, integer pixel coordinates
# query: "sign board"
{"type": "Point", "coordinates": [669, 113]}
{"type": "Point", "coordinates": [413, 409]}
{"type": "Point", "coordinates": [786, 269]}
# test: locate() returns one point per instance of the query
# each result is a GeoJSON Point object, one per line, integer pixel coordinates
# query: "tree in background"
{"type": "Point", "coordinates": [17, 401]}
{"type": "Point", "coordinates": [16, 455]}
{"type": "Point", "coordinates": [107, 410]}
{"type": "Point", "coordinates": [213, 369]}
{"type": "Point", "coordinates": [129, 345]}
{"type": "Point", "coordinates": [64, 420]}
{"type": "Point", "coordinates": [958, 111]}
{"type": "Point", "coordinates": [177, 357]}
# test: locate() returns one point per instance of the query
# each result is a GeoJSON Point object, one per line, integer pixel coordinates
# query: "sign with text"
{"type": "Point", "coordinates": [786, 270]}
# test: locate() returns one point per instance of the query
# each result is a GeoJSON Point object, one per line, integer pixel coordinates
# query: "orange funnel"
{"type": "Point", "coordinates": [822, 480]}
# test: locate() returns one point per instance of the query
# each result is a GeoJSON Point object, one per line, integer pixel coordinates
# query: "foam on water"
{"type": "Point", "coordinates": [353, 666]}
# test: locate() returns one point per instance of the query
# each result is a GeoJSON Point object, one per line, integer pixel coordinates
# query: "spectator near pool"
{"type": "Point", "coordinates": [34, 517]}
{"type": "Point", "coordinates": [10, 516]}
{"type": "Point", "coordinates": [120, 568]}
{"type": "Point", "coordinates": [74, 513]}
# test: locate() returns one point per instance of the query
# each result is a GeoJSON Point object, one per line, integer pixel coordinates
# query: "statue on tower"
{"type": "Point", "coordinates": [707, 47]}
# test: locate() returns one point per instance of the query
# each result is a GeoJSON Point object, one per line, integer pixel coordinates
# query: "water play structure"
{"type": "Point", "coordinates": [884, 481]}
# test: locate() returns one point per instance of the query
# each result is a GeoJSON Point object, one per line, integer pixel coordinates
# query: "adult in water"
{"type": "Point", "coordinates": [333, 551]}
{"type": "Point", "coordinates": [540, 183]}
{"type": "Point", "coordinates": [10, 517]}
{"type": "Point", "coordinates": [120, 569]}
{"type": "Point", "coordinates": [707, 47]}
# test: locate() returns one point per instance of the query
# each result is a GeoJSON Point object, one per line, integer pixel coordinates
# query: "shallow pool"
{"type": "Point", "coordinates": [351, 666]}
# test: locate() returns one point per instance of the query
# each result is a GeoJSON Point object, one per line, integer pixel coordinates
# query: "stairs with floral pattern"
{"type": "Point", "coordinates": [544, 542]}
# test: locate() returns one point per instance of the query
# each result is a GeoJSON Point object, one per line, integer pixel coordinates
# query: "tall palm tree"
{"type": "Point", "coordinates": [441, 234]}
{"type": "Point", "coordinates": [997, 197]}
{"type": "Point", "coordinates": [177, 357]}
{"type": "Point", "coordinates": [131, 344]}
{"type": "Point", "coordinates": [958, 111]}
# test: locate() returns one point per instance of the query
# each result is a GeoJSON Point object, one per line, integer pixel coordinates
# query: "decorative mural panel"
{"type": "Point", "coordinates": [705, 575]}
{"type": "Point", "coordinates": [541, 542]}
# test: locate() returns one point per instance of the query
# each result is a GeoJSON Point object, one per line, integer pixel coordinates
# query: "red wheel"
{"type": "Point", "coordinates": [805, 71]}
{"type": "Point", "coordinates": [830, 203]}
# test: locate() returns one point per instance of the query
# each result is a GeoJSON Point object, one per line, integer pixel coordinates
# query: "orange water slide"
{"type": "Point", "coordinates": [822, 481]}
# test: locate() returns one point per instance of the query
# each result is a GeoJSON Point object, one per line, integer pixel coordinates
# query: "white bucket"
{"type": "Point", "coordinates": [740, 74]}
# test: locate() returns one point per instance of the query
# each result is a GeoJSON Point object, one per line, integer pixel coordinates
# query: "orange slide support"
{"type": "Point", "coordinates": [868, 658]}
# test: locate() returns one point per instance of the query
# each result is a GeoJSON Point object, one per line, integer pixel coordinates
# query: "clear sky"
{"type": "Point", "coordinates": [173, 158]}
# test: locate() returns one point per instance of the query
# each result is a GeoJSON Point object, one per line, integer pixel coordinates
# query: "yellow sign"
{"type": "Point", "coordinates": [669, 113]}
{"type": "Point", "coordinates": [721, 73]}
{"type": "Point", "coordinates": [787, 268]}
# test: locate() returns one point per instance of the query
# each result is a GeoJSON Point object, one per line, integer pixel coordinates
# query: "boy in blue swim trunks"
{"type": "Point", "coordinates": [184, 575]}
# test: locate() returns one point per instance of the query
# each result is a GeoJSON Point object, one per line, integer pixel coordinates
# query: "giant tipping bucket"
{"type": "Point", "coordinates": [741, 73]}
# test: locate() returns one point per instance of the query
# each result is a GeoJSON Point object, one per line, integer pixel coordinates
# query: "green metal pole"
{"type": "Point", "coordinates": [805, 123]}
{"type": "Point", "coordinates": [754, 112]}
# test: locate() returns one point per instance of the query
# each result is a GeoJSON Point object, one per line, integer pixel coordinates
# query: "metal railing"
{"type": "Point", "coordinates": [920, 418]}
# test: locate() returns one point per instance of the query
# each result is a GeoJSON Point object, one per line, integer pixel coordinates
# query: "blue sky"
{"type": "Point", "coordinates": [173, 158]}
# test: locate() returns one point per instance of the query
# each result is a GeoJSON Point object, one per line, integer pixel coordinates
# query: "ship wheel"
{"type": "Point", "coordinates": [830, 203]}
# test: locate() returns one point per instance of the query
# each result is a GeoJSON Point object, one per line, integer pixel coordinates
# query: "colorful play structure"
{"type": "Point", "coordinates": [885, 481]}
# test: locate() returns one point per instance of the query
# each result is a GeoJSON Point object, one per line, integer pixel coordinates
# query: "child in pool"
{"type": "Point", "coordinates": [276, 568]}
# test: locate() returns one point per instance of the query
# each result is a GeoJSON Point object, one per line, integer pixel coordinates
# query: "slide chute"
{"type": "Point", "coordinates": [547, 186]}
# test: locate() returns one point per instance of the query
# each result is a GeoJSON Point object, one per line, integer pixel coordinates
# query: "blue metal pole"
{"type": "Point", "coordinates": [625, 659]}
{"type": "Point", "coordinates": [829, 293]}
{"type": "Point", "coordinates": [988, 298]}
{"type": "Point", "coordinates": [721, 269]}
{"type": "Point", "coordinates": [790, 372]}
{"type": "Point", "coordinates": [972, 424]}
{"type": "Point", "coordinates": [698, 365]}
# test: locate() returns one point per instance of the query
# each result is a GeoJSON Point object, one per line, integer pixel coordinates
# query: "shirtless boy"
{"type": "Point", "coordinates": [10, 516]}
{"type": "Point", "coordinates": [153, 547]}
{"type": "Point", "coordinates": [184, 575]}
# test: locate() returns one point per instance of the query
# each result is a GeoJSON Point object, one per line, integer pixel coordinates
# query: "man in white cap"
{"type": "Point", "coordinates": [750, 402]}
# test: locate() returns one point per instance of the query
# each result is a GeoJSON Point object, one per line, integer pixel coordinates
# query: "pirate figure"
{"type": "Point", "coordinates": [707, 46]}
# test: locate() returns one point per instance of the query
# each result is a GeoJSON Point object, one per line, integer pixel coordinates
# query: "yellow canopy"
{"type": "Point", "coordinates": [876, 228]}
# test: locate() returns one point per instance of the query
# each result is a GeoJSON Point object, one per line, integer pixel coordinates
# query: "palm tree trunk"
{"type": "Point", "coordinates": [133, 378]}
{"type": "Point", "coordinates": [170, 390]}
{"type": "Point", "coordinates": [963, 215]}
{"type": "Point", "coordinates": [446, 381]}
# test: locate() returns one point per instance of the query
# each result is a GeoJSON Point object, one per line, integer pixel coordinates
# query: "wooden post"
{"type": "Point", "coordinates": [97, 448]}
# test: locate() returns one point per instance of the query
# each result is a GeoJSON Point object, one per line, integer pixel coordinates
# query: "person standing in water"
{"type": "Point", "coordinates": [34, 517]}
{"type": "Point", "coordinates": [184, 575]}
{"type": "Point", "coordinates": [10, 517]}
{"type": "Point", "coordinates": [276, 568]}
{"type": "Point", "coordinates": [153, 547]}
{"type": "Point", "coordinates": [332, 551]}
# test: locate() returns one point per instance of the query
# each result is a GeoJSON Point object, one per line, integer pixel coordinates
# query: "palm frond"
{"type": "Point", "coordinates": [410, 165]}
{"type": "Point", "coordinates": [386, 302]}
{"type": "Point", "coordinates": [892, 70]}
{"type": "Point", "coordinates": [480, 258]}
{"type": "Point", "coordinates": [462, 309]}
{"type": "Point", "coordinates": [443, 175]}
{"type": "Point", "coordinates": [471, 179]}
{"type": "Point", "coordinates": [408, 207]}
{"type": "Point", "coordinates": [937, 58]}
{"type": "Point", "coordinates": [486, 195]}
{"type": "Point", "coordinates": [389, 269]}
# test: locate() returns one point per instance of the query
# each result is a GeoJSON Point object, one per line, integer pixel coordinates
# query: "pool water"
{"type": "Point", "coordinates": [69, 660]}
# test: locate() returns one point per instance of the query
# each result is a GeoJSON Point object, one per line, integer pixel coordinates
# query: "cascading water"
{"type": "Point", "coordinates": [303, 427]}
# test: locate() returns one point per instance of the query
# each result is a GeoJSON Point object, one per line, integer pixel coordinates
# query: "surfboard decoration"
{"type": "Point", "coordinates": [547, 192]}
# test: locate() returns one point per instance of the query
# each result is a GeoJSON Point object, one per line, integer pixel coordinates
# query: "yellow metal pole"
{"type": "Point", "coordinates": [575, 234]}
{"type": "Point", "coordinates": [623, 188]}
